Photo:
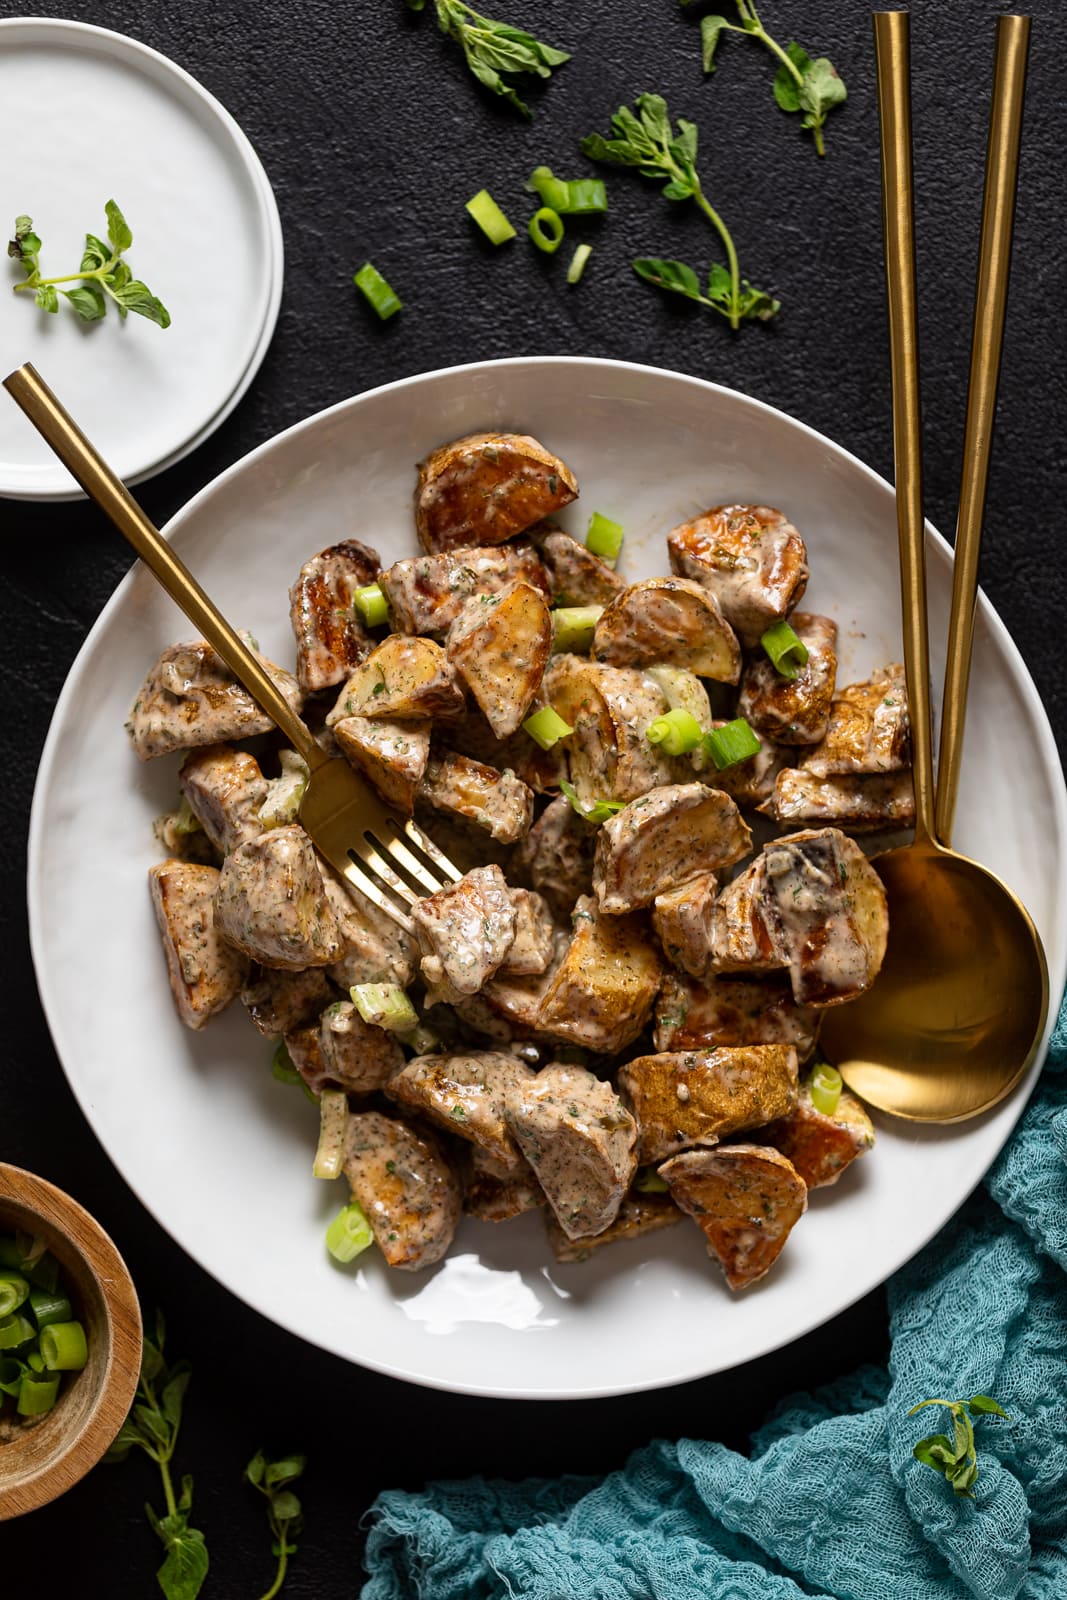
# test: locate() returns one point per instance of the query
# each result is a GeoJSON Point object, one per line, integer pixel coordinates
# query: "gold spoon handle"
{"type": "Point", "coordinates": [61, 432]}
{"type": "Point", "coordinates": [892, 53]}
{"type": "Point", "coordinates": [994, 261]}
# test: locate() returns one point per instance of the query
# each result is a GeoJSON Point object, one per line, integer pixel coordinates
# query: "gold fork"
{"type": "Point", "coordinates": [389, 860]}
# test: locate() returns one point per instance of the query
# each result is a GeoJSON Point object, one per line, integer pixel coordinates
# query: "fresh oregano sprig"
{"type": "Point", "coordinates": [956, 1458]}
{"type": "Point", "coordinates": [152, 1426]}
{"type": "Point", "coordinates": [643, 138]}
{"type": "Point", "coordinates": [800, 84]}
{"type": "Point", "coordinates": [495, 51]}
{"type": "Point", "coordinates": [272, 1479]}
{"type": "Point", "coordinates": [103, 274]}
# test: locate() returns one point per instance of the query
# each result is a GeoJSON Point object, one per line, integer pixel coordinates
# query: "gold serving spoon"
{"type": "Point", "coordinates": [957, 1013]}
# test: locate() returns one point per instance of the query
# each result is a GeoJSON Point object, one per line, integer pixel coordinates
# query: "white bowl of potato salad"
{"type": "Point", "coordinates": [626, 644]}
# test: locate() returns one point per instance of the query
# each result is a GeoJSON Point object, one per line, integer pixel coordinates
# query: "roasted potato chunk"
{"type": "Point", "coordinates": [556, 856]}
{"type": "Point", "coordinates": [341, 1051]}
{"type": "Point", "coordinates": [280, 1002]}
{"type": "Point", "coordinates": [732, 1011]}
{"type": "Point", "coordinates": [638, 1214]}
{"type": "Point", "coordinates": [697, 1097]}
{"type": "Point", "coordinates": [793, 710]}
{"type": "Point", "coordinates": [535, 935]}
{"type": "Point", "coordinates": [821, 1146]}
{"type": "Point", "coordinates": [464, 931]}
{"type": "Point", "coordinates": [391, 755]}
{"type": "Point", "coordinates": [576, 575]}
{"type": "Point", "coordinates": [609, 709]}
{"type": "Point", "coordinates": [205, 972]}
{"type": "Point", "coordinates": [494, 801]}
{"type": "Point", "coordinates": [466, 1095]}
{"type": "Point", "coordinates": [681, 921]}
{"type": "Point", "coordinates": [541, 770]}
{"type": "Point", "coordinates": [854, 804]}
{"type": "Point", "coordinates": [225, 789]}
{"type": "Point", "coordinates": [330, 637]}
{"type": "Point", "coordinates": [750, 557]}
{"type": "Point", "coordinates": [270, 902]}
{"type": "Point", "coordinates": [191, 698]}
{"type": "Point", "coordinates": [499, 644]}
{"type": "Point", "coordinates": [669, 620]}
{"type": "Point", "coordinates": [750, 781]}
{"type": "Point", "coordinates": [746, 1200]}
{"type": "Point", "coordinates": [868, 731]}
{"type": "Point", "coordinates": [579, 1139]}
{"type": "Point", "coordinates": [507, 1008]}
{"type": "Point", "coordinates": [486, 487]}
{"type": "Point", "coordinates": [374, 948]}
{"type": "Point", "coordinates": [603, 990]}
{"type": "Point", "coordinates": [427, 593]}
{"type": "Point", "coordinates": [668, 836]}
{"type": "Point", "coordinates": [493, 1193]}
{"type": "Point", "coordinates": [403, 678]}
{"type": "Point", "coordinates": [410, 1195]}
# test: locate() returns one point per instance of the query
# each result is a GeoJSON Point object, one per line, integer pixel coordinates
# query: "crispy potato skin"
{"type": "Point", "coordinates": [330, 638]}
{"type": "Point", "coordinates": [682, 921]}
{"type": "Point", "coordinates": [280, 1002]}
{"type": "Point", "coordinates": [697, 1097]}
{"type": "Point", "coordinates": [746, 1199]}
{"type": "Point", "coordinates": [639, 1214]}
{"type": "Point", "coordinates": [602, 992]}
{"type": "Point", "coordinates": [492, 1193]}
{"type": "Point", "coordinates": [499, 645]}
{"type": "Point", "coordinates": [465, 1094]}
{"type": "Point", "coordinates": [691, 1015]}
{"type": "Point", "coordinates": [853, 804]}
{"type": "Point", "coordinates": [609, 709]}
{"type": "Point", "coordinates": [752, 559]}
{"type": "Point", "coordinates": [225, 789]}
{"type": "Point", "coordinates": [668, 836]}
{"type": "Point", "coordinates": [485, 487]}
{"type": "Point", "coordinates": [495, 801]}
{"type": "Point", "coordinates": [670, 621]}
{"type": "Point", "coordinates": [821, 1146]}
{"type": "Point", "coordinates": [577, 576]}
{"type": "Point", "coordinates": [868, 731]}
{"type": "Point", "coordinates": [793, 711]}
{"type": "Point", "coordinates": [405, 677]}
{"type": "Point", "coordinates": [391, 754]}
{"type": "Point", "coordinates": [205, 972]}
{"type": "Point", "coordinates": [427, 593]}
{"type": "Point", "coordinates": [405, 1186]}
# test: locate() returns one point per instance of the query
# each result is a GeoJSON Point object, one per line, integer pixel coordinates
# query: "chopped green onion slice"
{"type": "Point", "coordinates": [826, 1088]}
{"type": "Point", "coordinates": [35, 1361]}
{"type": "Point", "coordinates": [349, 1234]}
{"type": "Point", "coordinates": [285, 792]}
{"type": "Point", "coordinates": [49, 1306]}
{"type": "Point", "coordinates": [546, 727]}
{"type": "Point", "coordinates": [731, 743]}
{"type": "Point", "coordinates": [15, 1330]}
{"type": "Point", "coordinates": [63, 1347]}
{"type": "Point", "coordinates": [372, 605]}
{"type": "Point", "coordinates": [11, 1374]}
{"type": "Point", "coordinates": [14, 1289]}
{"type": "Point", "coordinates": [545, 228]}
{"type": "Point", "coordinates": [570, 197]}
{"type": "Point", "coordinates": [788, 653]}
{"type": "Point", "coordinates": [185, 819]}
{"type": "Point", "coordinates": [281, 1065]}
{"type": "Point", "coordinates": [676, 732]}
{"type": "Point", "coordinates": [573, 628]}
{"type": "Point", "coordinates": [333, 1123]}
{"type": "Point", "coordinates": [578, 260]}
{"type": "Point", "coordinates": [377, 293]}
{"type": "Point", "coordinates": [37, 1395]}
{"type": "Point", "coordinates": [599, 811]}
{"type": "Point", "coordinates": [604, 538]}
{"type": "Point", "coordinates": [384, 1005]}
{"type": "Point", "coordinates": [489, 217]}
{"type": "Point", "coordinates": [422, 1040]}
{"type": "Point", "coordinates": [648, 1181]}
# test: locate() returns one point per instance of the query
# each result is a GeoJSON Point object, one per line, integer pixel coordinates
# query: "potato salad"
{"type": "Point", "coordinates": [652, 791]}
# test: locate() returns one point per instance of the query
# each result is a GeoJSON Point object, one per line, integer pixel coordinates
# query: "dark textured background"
{"type": "Point", "coordinates": [374, 135]}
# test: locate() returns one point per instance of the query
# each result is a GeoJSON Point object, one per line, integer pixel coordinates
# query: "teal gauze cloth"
{"type": "Point", "coordinates": [831, 1502]}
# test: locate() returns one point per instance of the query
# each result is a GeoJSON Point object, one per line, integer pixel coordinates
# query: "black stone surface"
{"type": "Point", "coordinates": [374, 135]}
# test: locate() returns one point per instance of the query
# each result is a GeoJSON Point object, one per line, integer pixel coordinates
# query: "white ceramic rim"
{"type": "Point", "coordinates": [51, 999]}
{"type": "Point", "coordinates": [270, 222]}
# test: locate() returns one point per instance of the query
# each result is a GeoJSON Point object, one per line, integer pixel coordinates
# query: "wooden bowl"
{"type": "Point", "coordinates": [47, 1459]}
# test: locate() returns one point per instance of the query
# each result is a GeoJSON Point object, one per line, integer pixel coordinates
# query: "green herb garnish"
{"type": "Point", "coordinates": [644, 139]}
{"type": "Point", "coordinates": [103, 275]}
{"type": "Point", "coordinates": [272, 1479]}
{"type": "Point", "coordinates": [956, 1458]}
{"type": "Point", "coordinates": [495, 51]}
{"type": "Point", "coordinates": [800, 84]}
{"type": "Point", "coordinates": [152, 1426]}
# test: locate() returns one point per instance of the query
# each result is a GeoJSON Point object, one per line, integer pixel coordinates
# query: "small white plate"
{"type": "Point", "coordinates": [221, 1153]}
{"type": "Point", "coordinates": [113, 119]}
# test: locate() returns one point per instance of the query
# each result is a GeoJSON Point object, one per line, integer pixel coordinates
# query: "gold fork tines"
{"type": "Point", "coordinates": [389, 860]}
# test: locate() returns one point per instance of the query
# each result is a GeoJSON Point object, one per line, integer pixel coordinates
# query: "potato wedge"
{"type": "Point", "coordinates": [793, 710]}
{"type": "Point", "coordinates": [868, 731]}
{"type": "Point", "coordinates": [576, 575]}
{"type": "Point", "coordinates": [494, 801]}
{"type": "Point", "coordinates": [609, 709]}
{"type": "Point", "coordinates": [391, 754]}
{"type": "Point", "coordinates": [427, 593]}
{"type": "Point", "coordinates": [225, 789]}
{"type": "Point", "coordinates": [682, 920]}
{"type": "Point", "coordinates": [190, 697]}
{"type": "Point", "coordinates": [330, 637]}
{"type": "Point", "coordinates": [745, 1198]}
{"type": "Point", "coordinates": [750, 557]}
{"type": "Point", "coordinates": [405, 677]}
{"type": "Point", "coordinates": [485, 487]}
{"type": "Point", "coordinates": [602, 992]}
{"type": "Point", "coordinates": [341, 1051]}
{"type": "Point", "coordinates": [270, 902]}
{"type": "Point", "coordinates": [854, 804]}
{"type": "Point", "coordinates": [409, 1193]}
{"type": "Point", "coordinates": [668, 836]}
{"type": "Point", "coordinates": [465, 1094]}
{"type": "Point", "coordinates": [638, 1214]}
{"type": "Point", "coordinates": [732, 1011]}
{"type": "Point", "coordinates": [821, 1146]}
{"type": "Point", "coordinates": [697, 1097]}
{"type": "Point", "coordinates": [579, 1139]}
{"type": "Point", "coordinates": [205, 971]}
{"type": "Point", "coordinates": [534, 944]}
{"type": "Point", "coordinates": [464, 931]}
{"type": "Point", "coordinates": [499, 644]}
{"type": "Point", "coordinates": [672, 621]}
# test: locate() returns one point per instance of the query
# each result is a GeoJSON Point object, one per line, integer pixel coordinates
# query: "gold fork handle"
{"type": "Point", "coordinates": [62, 434]}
